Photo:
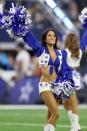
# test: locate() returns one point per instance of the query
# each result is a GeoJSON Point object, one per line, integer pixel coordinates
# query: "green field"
{"type": "Point", "coordinates": [34, 119]}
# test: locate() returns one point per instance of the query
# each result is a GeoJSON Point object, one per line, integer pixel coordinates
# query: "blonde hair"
{"type": "Point", "coordinates": [72, 43]}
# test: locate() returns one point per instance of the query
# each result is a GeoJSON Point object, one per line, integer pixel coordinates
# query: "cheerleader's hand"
{"type": "Point", "coordinates": [18, 21]}
{"type": "Point", "coordinates": [83, 17]}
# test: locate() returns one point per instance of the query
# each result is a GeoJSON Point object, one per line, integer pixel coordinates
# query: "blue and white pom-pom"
{"type": "Point", "coordinates": [83, 17]}
{"type": "Point", "coordinates": [18, 21]}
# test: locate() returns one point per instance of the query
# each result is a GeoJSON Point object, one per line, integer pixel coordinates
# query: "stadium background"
{"type": "Point", "coordinates": [24, 91]}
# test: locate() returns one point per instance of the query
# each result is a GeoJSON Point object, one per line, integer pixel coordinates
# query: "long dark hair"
{"type": "Point", "coordinates": [72, 43]}
{"type": "Point", "coordinates": [44, 34]}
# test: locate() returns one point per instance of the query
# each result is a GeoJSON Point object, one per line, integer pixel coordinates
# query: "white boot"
{"type": "Point", "coordinates": [70, 116]}
{"type": "Point", "coordinates": [49, 127]}
{"type": "Point", "coordinates": [74, 119]}
{"type": "Point", "coordinates": [75, 124]}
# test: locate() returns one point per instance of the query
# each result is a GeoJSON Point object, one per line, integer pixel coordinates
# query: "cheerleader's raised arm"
{"type": "Point", "coordinates": [31, 40]}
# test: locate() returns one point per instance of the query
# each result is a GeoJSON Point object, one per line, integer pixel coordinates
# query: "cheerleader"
{"type": "Point", "coordinates": [71, 105]}
{"type": "Point", "coordinates": [49, 72]}
{"type": "Point", "coordinates": [74, 54]}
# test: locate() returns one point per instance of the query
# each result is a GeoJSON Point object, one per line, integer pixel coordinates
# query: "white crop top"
{"type": "Point", "coordinates": [73, 62]}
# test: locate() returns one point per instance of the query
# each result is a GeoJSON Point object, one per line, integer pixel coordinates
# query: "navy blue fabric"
{"type": "Point", "coordinates": [83, 42]}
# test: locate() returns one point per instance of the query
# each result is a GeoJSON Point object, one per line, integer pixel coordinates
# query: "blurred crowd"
{"type": "Point", "coordinates": [73, 8]}
{"type": "Point", "coordinates": [22, 62]}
